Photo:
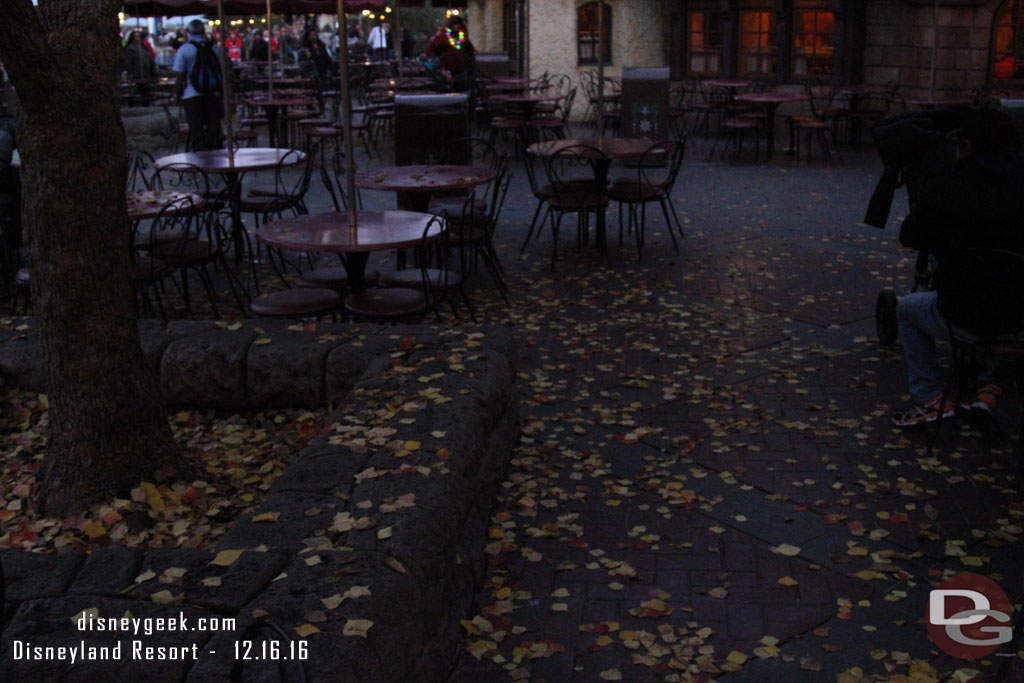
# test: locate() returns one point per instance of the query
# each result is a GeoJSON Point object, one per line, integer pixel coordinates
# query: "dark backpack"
{"type": "Point", "coordinates": [205, 74]}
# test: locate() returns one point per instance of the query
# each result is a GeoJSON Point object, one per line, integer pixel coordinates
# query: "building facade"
{"type": "Point", "coordinates": [920, 44]}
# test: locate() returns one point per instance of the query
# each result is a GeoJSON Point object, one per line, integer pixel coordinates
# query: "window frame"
{"type": "Point", "coordinates": [604, 42]}
{"type": "Point", "coordinates": [1016, 49]}
{"type": "Point", "coordinates": [816, 8]}
{"type": "Point", "coordinates": [708, 50]}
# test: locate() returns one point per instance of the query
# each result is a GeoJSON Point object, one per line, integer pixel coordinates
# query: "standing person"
{"type": "Point", "coordinates": [455, 54]}
{"type": "Point", "coordinates": [258, 49]}
{"type": "Point", "coordinates": [139, 64]}
{"type": "Point", "coordinates": [378, 41]}
{"type": "Point", "coordinates": [235, 48]}
{"type": "Point", "coordinates": [198, 89]}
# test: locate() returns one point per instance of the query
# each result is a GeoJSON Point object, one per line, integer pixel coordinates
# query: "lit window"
{"type": "Point", "coordinates": [1007, 43]}
{"type": "Point", "coordinates": [813, 42]}
{"type": "Point", "coordinates": [586, 34]}
{"type": "Point", "coordinates": [757, 42]}
{"type": "Point", "coordinates": [704, 36]}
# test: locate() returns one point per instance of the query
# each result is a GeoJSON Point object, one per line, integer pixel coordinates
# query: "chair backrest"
{"type": "Point", "coordinates": [298, 187]}
{"type": "Point", "coordinates": [140, 167]}
{"type": "Point", "coordinates": [650, 171]}
{"type": "Point", "coordinates": [575, 164]}
{"type": "Point", "coordinates": [471, 151]}
{"type": "Point", "coordinates": [175, 226]}
{"type": "Point", "coordinates": [559, 84]}
{"type": "Point", "coordinates": [566, 107]}
{"type": "Point", "coordinates": [181, 178]}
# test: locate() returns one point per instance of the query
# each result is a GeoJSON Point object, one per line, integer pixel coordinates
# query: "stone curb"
{"type": "Point", "coordinates": [389, 510]}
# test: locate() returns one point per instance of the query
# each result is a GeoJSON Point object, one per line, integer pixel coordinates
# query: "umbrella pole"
{"type": "Point", "coordinates": [600, 69]}
{"type": "Point", "coordinates": [346, 112]}
{"type": "Point", "coordinates": [270, 55]}
{"type": "Point", "coordinates": [225, 90]}
{"type": "Point", "coordinates": [396, 33]}
{"type": "Point", "coordinates": [935, 45]}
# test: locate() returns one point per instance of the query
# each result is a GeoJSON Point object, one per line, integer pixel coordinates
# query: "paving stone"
{"type": "Point", "coordinates": [207, 369]}
{"type": "Point", "coordinates": [107, 571]}
{"type": "Point", "coordinates": [30, 575]}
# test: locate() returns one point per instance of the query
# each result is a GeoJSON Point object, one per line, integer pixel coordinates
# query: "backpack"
{"type": "Point", "coordinates": [205, 74]}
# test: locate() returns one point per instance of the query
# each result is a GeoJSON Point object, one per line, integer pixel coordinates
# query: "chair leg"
{"type": "Point", "coordinates": [529, 233]}
{"type": "Point", "coordinates": [669, 224]}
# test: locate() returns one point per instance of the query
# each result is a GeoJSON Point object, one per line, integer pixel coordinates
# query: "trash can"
{"type": "Point", "coordinates": [426, 124]}
{"type": "Point", "coordinates": [645, 103]}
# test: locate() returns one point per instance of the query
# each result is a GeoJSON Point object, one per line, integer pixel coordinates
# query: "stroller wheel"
{"type": "Point", "coordinates": [885, 318]}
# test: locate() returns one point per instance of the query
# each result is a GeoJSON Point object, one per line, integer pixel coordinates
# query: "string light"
{"type": "Point", "coordinates": [457, 41]}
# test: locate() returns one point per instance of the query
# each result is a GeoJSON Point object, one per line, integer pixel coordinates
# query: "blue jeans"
{"type": "Point", "coordinates": [920, 324]}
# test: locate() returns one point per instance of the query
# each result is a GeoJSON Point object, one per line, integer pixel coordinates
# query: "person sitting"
{"type": "Point", "coordinates": [974, 200]}
{"type": "Point", "coordinates": [455, 55]}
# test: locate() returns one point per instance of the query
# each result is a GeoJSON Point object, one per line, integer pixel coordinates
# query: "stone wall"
{"type": "Point", "coordinates": [380, 521]}
{"type": "Point", "coordinates": [899, 41]}
{"type": "Point", "coordinates": [638, 39]}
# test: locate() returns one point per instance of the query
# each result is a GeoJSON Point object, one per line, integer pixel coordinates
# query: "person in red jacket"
{"type": "Point", "coordinates": [455, 54]}
{"type": "Point", "coordinates": [234, 46]}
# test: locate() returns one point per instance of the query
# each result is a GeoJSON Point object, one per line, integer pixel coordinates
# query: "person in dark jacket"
{"type": "Point", "coordinates": [969, 192]}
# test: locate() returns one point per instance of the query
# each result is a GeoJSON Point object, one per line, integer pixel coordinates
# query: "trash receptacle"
{"type": "Point", "coordinates": [645, 103]}
{"type": "Point", "coordinates": [426, 124]}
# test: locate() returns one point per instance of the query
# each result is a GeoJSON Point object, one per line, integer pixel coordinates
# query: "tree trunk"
{"type": "Point", "coordinates": [108, 425]}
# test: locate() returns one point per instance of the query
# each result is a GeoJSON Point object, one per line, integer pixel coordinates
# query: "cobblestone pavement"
{"type": "Point", "coordinates": [707, 485]}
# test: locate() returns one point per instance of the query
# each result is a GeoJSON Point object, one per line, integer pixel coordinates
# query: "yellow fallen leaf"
{"type": "Point", "coordinates": [212, 581]}
{"type": "Point", "coordinates": [162, 597]}
{"type": "Point", "coordinates": [786, 549]}
{"type": "Point", "coordinates": [736, 657]}
{"type": "Point", "coordinates": [313, 561]}
{"type": "Point", "coordinates": [604, 640]}
{"type": "Point", "coordinates": [306, 630]}
{"type": "Point", "coordinates": [94, 529]}
{"type": "Point", "coordinates": [226, 558]}
{"type": "Point", "coordinates": [267, 517]}
{"type": "Point", "coordinates": [559, 607]}
{"type": "Point", "coordinates": [610, 675]}
{"type": "Point", "coordinates": [788, 581]}
{"type": "Point", "coordinates": [357, 627]}
{"type": "Point", "coordinates": [395, 564]}
{"type": "Point", "coordinates": [356, 592]}
{"type": "Point", "coordinates": [384, 533]}
{"type": "Point", "coordinates": [332, 602]}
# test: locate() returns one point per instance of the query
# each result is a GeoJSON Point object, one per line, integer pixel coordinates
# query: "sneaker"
{"type": "Point", "coordinates": [984, 404]}
{"type": "Point", "coordinates": [922, 413]}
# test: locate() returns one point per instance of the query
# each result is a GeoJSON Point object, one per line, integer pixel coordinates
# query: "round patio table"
{"type": "Point", "coordinates": [610, 149]}
{"type": "Point", "coordinates": [771, 101]}
{"type": "Point", "coordinates": [330, 232]}
{"type": "Point", "coordinates": [232, 169]}
{"type": "Point", "coordinates": [418, 183]}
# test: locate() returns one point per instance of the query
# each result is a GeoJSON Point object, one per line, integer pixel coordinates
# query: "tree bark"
{"type": "Point", "coordinates": [108, 424]}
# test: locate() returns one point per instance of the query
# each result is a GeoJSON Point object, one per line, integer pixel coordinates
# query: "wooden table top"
{"type": "Point", "coordinates": [424, 178]}
{"type": "Point", "coordinates": [245, 159]}
{"type": "Point", "coordinates": [330, 231]}
{"type": "Point", "coordinates": [146, 204]}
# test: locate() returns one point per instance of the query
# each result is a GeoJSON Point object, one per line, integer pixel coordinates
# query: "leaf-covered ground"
{"type": "Point", "coordinates": [707, 485]}
{"type": "Point", "coordinates": [237, 458]}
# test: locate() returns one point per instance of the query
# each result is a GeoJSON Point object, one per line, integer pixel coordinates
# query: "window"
{"type": "Point", "coordinates": [1007, 60]}
{"type": "Point", "coordinates": [813, 41]}
{"type": "Point", "coordinates": [704, 42]}
{"type": "Point", "coordinates": [586, 33]}
{"type": "Point", "coordinates": [510, 30]}
{"type": "Point", "coordinates": [757, 42]}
